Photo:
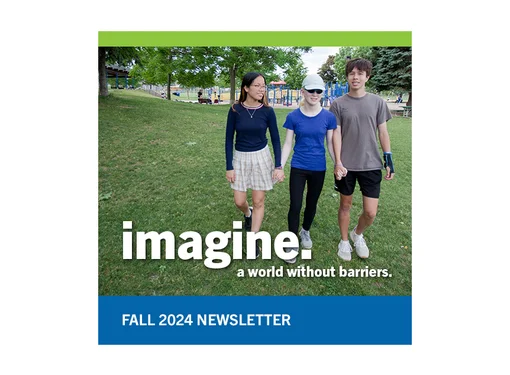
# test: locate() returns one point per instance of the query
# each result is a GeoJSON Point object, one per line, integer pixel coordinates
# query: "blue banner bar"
{"type": "Point", "coordinates": [263, 320]}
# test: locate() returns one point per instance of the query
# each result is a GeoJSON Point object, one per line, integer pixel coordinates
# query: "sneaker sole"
{"type": "Point", "coordinates": [361, 256]}
{"type": "Point", "coordinates": [343, 252]}
{"type": "Point", "coordinates": [351, 234]}
{"type": "Point", "coordinates": [291, 261]}
{"type": "Point", "coordinates": [347, 260]}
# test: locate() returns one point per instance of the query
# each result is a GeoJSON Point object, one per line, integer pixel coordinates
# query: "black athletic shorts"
{"type": "Point", "coordinates": [369, 183]}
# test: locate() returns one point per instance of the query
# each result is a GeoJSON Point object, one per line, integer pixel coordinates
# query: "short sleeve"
{"type": "Point", "coordinates": [335, 111]}
{"type": "Point", "coordinates": [332, 121]}
{"type": "Point", "coordinates": [383, 113]}
{"type": "Point", "coordinates": [289, 123]}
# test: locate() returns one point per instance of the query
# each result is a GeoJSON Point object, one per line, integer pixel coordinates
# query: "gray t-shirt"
{"type": "Point", "coordinates": [358, 119]}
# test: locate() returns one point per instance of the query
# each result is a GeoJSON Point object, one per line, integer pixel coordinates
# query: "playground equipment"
{"type": "Point", "coordinates": [333, 91]}
{"type": "Point", "coordinates": [213, 96]}
{"type": "Point", "coordinates": [280, 93]}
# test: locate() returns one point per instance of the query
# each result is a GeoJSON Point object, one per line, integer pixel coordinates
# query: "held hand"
{"type": "Point", "coordinates": [278, 175]}
{"type": "Point", "coordinates": [231, 176]}
{"type": "Point", "coordinates": [282, 177]}
{"type": "Point", "coordinates": [340, 171]}
{"type": "Point", "coordinates": [389, 175]}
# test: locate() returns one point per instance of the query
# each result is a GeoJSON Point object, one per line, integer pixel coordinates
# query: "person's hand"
{"type": "Point", "coordinates": [388, 165]}
{"type": "Point", "coordinates": [340, 171]}
{"type": "Point", "coordinates": [278, 175]}
{"type": "Point", "coordinates": [389, 175]}
{"type": "Point", "coordinates": [231, 176]}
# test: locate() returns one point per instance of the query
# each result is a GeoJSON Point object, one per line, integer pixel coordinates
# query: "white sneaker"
{"type": "Point", "coordinates": [306, 240]}
{"type": "Point", "coordinates": [359, 244]}
{"type": "Point", "coordinates": [292, 250]}
{"type": "Point", "coordinates": [344, 250]}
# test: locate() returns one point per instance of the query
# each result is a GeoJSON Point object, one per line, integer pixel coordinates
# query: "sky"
{"type": "Point", "coordinates": [314, 60]}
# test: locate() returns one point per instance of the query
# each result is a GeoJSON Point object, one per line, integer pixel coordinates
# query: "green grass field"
{"type": "Point", "coordinates": [162, 166]}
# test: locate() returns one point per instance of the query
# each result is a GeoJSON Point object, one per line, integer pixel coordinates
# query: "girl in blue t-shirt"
{"type": "Point", "coordinates": [309, 125]}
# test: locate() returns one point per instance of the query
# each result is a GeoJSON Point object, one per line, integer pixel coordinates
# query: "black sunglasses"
{"type": "Point", "coordinates": [316, 91]}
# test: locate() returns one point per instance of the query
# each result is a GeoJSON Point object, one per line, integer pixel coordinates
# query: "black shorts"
{"type": "Point", "coordinates": [369, 183]}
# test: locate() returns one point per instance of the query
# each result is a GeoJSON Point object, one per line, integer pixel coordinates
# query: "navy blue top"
{"type": "Point", "coordinates": [309, 151]}
{"type": "Point", "coordinates": [251, 132]}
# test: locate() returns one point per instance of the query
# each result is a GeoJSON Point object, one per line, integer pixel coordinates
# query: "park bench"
{"type": "Point", "coordinates": [407, 110]}
{"type": "Point", "coordinates": [397, 112]}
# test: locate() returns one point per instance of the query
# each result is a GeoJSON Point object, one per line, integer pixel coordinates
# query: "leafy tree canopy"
{"type": "Point", "coordinates": [295, 75]}
{"type": "Point", "coordinates": [225, 66]}
{"type": "Point", "coordinates": [392, 68]}
{"type": "Point", "coordinates": [205, 66]}
{"type": "Point", "coordinates": [124, 56]}
{"type": "Point", "coordinates": [327, 70]}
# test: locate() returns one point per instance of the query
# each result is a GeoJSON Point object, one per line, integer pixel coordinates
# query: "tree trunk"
{"type": "Point", "coordinates": [103, 82]}
{"type": "Point", "coordinates": [410, 99]}
{"type": "Point", "coordinates": [232, 71]}
{"type": "Point", "coordinates": [168, 90]}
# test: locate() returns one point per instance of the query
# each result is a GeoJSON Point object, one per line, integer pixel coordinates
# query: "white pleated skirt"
{"type": "Point", "coordinates": [253, 170]}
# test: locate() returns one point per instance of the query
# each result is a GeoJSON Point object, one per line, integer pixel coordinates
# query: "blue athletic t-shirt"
{"type": "Point", "coordinates": [310, 132]}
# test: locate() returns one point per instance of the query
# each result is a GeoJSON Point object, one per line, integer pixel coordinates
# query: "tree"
{"type": "Point", "coordinates": [125, 56]}
{"type": "Point", "coordinates": [327, 70]}
{"type": "Point", "coordinates": [237, 61]}
{"type": "Point", "coordinates": [189, 66]}
{"type": "Point", "coordinates": [204, 66]}
{"type": "Point", "coordinates": [295, 75]}
{"type": "Point", "coordinates": [196, 68]}
{"type": "Point", "coordinates": [392, 69]}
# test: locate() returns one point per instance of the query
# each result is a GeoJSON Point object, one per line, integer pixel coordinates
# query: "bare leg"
{"type": "Point", "coordinates": [258, 197]}
{"type": "Point", "coordinates": [344, 215]}
{"type": "Point", "coordinates": [368, 216]}
{"type": "Point", "coordinates": [241, 202]}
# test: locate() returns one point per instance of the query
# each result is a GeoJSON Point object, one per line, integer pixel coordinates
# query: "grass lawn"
{"type": "Point", "coordinates": [162, 166]}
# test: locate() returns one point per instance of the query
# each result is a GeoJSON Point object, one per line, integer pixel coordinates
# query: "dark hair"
{"type": "Point", "coordinates": [247, 81]}
{"type": "Point", "coordinates": [362, 65]}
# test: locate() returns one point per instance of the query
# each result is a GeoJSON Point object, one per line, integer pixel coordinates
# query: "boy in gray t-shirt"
{"type": "Point", "coordinates": [361, 117]}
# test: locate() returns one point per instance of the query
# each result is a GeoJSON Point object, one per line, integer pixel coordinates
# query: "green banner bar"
{"type": "Point", "coordinates": [254, 38]}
